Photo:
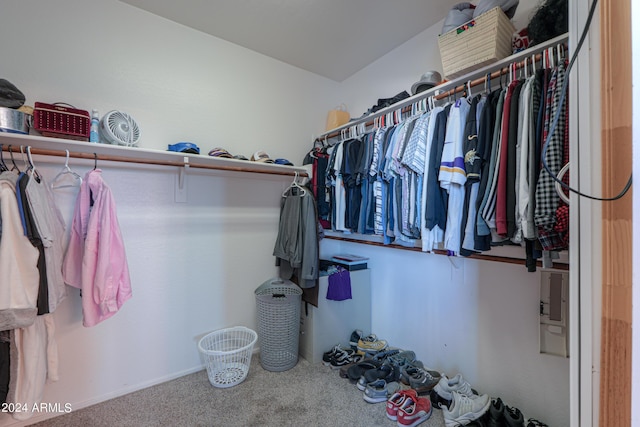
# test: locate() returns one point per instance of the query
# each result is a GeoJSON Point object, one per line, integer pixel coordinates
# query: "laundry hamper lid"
{"type": "Point", "coordinates": [277, 286]}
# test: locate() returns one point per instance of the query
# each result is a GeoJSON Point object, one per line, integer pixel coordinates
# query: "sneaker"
{"type": "Point", "coordinates": [495, 415]}
{"type": "Point", "coordinates": [464, 409]}
{"type": "Point", "coordinates": [343, 358]}
{"type": "Point", "coordinates": [376, 392]}
{"type": "Point", "coordinates": [386, 372]}
{"type": "Point", "coordinates": [424, 380]}
{"type": "Point", "coordinates": [437, 401]}
{"type": "Point", "coordinates": [328, 355]}
{"type": "Point", "coordinates": [410, 370]}
{"type": "Point", "coordinates": [396, 400]}
{"type": "Point", "coordinates": [446, 386]}
{"type": "Point", "coordinates": [370, 343]}
{"type": "Point", "coordinates": [513, 417]}
{"type": "Point", "coordinates": [532, 422]}
{"type": "Point", "coordinates": [355, 337]}
{"type": "Point", "coordinates": [383, 355]}
{"type": "Point", "coordinates": [358, 369]}
{"type": "Point", "coordinates": [414, 411]}
{"type": "Point", "coordinates": [403, 358]}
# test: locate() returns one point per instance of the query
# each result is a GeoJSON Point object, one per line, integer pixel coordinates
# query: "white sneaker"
{"type": "Point", "coordinates": [464, 409]}
{"type": "Point", "coordinates": [446, 386]}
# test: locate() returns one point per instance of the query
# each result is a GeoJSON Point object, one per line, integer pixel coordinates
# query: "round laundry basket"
{"type": "Point", "coordinates": [278, 302]}
{"type": "Point", "coordinates": [227, 355]}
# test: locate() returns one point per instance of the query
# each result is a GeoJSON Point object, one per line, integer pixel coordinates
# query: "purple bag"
{"type": "Point", "coordinates": [339, 288]}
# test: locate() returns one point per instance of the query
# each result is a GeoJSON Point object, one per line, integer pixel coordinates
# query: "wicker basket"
{"type": "Point", "coordinates": [227, 355]}
{"type": "Point", "coordinates": [481, 41]}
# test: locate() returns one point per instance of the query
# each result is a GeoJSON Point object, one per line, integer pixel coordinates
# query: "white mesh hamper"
{"type": "Point", "coordinates": [278, 303]}
{"type": "Point", "coordinates": [227, 355]}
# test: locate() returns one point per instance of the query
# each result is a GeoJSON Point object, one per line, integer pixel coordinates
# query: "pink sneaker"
{"type": "Point", "coordinates": [414, 411]}
{"type": "Point", "coordinates": [396, 400]}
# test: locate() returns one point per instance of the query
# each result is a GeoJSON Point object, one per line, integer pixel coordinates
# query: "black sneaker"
{"type": "Point", "coordinates": [495, 415]}
{"type": "Point", "coordinates": [513, 417]}
{"type": "Point", "coordinates": [344, 357]}
{"type": "Point", "coordinates": [355, 337]}
{"type": "Point", "coordinates": [328, 355]}
{"type": "Point", "coordinates": [438, 401]}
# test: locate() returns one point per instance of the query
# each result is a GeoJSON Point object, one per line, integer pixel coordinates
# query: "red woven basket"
{"type": "Point", "coordinates": [61, 121]}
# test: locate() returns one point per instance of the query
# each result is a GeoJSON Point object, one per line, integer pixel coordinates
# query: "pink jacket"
{"type": "Point", "coordinates": [95, 261]}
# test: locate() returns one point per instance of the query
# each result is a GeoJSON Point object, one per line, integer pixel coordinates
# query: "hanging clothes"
{"type": "Point", "coordinates": [435, 197]}
{"type": "Point", "coordinates": [452, 175]}
{"type": "Point", "coordinates": [96, 261]}
{"type": "Point", "coordinates": [296, 247]}
{"type": "Point", "coordinates": [51, 228]}
{"type": "Point", "coordinates": [34, 359]}
{"type": "Point", "coordinates": [33, 234]}
{"type": "Point", "coordinates": [463, 177]}
{"type": "Point", "coordinates": [18, 262]}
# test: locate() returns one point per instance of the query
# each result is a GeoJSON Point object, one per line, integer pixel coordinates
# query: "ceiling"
{"type": "Point", "coordinates": [332, 38]}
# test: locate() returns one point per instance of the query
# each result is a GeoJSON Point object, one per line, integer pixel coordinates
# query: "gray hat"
{"type": "Point", "coordinates": [427, 81]}
{"type": "Point", "coordinates": [508, 7]}
{"type": "Point", "coordinates": [459, 14]}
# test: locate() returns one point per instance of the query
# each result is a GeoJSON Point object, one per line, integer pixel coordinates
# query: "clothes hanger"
{"type": "Point", "coordinates": [3, 166]}
{"type": "Point", "coordinates": [533, 65]}
{"type": "Point", "coordinates": [14, 167]}
{"type": "Point", "coordinates": [66, 172]}
{"type": "Point", "coordinates": [294, 184]}
{"type": "Point", "coordinates": [31, 168]}
{"type": "Point", "coordinates": [24, 159]}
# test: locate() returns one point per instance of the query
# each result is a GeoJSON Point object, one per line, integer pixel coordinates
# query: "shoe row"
{"type": "Point", "coordinates": [411, 390]}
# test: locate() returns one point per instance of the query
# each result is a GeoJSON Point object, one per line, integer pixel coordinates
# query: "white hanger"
{"type": "Point", "coordinates": [294, 184]}
{"type": "Point", "coordinates": [66, 171]}
{"type": "Point", "coordinates": [558, 186]}
{"type": "Point", "coordinates": [533, 64]}
{"type": "Point", "coordinates": [31, 165]}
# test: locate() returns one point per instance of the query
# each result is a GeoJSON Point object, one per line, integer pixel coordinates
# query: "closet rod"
{"type": "Point", "coordinates": [124, 159]}
{"type": "Point", "coordinates": [457, 85]}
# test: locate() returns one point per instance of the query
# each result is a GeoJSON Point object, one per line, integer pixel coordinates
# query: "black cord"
{"type": "Point", "coordinates": [626, 188]}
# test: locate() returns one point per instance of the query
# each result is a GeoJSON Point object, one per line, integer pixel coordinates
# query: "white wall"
{"type": "Point", "coordinates": [403, 66]}
{"type": "Point", "coordinates": [194, 266]}
{"type": "Point", "coordinates": [478, 318]}
{"type": "Point", "coordinates": [179, 84]}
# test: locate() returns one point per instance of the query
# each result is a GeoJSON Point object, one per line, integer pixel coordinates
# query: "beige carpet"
{"type": "Point", "coordinates": [307, 395]}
